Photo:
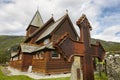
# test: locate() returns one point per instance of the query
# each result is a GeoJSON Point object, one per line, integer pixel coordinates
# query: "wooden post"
{"type": "Point", "coordinates": [88, 68]}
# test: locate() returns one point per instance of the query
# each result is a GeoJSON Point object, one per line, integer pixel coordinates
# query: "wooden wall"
{"type": "Point", "coordinates": [47, 65]}
{"type": "Point", "coordinates": [30, 30]}
{"type": "Point", "coordinates": [17, 64]}
{"type": "Point", "coordinates": [38, 65]}
{"type": "Point", "coordinates": [27, 61]}
{"type": "Point", "coordinates": [58, 66]}
{"type": "Point", "coordinates": [65, 27]}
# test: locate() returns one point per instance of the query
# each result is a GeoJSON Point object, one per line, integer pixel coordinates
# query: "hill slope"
{"type": "Point", "coordinates": [108, 45]}
{"type": "Point", "coordinates": [6, 42]}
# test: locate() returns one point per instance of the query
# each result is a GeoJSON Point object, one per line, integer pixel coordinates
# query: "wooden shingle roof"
{"type": "Point", "coordinates": [29, 48]}
{"type": "Point", "coordinates": [36, 20]}
{"type": "Point", "coordinates": [50, 29]}
{"type": "Point", "coordinates": [51, 20]}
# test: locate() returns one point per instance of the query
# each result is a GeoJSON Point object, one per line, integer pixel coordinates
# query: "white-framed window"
{"type": "Point", "coordinates": [46, 41]}
{"type": "Point", "coordinates": [37, 56]}
{"type": "Point", "coordinates": [34, 56]}
{"type": "Point", "coordinates": [55, 55]}
{"type": "Point", "coordinates": [41, 55]}
{"type": "Point", "coordinates": [20, 56]}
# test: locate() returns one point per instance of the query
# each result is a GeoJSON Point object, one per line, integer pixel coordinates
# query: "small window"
{"type": "Point", "coordinates": [55, 55]}
{"type": "Point", "coordinates": [37, 56]}
{"type": "Point", "coordinates": [46, 41]}
{"type": "Point", "coordinates": [34, 56]}
{"type": "Point", "coordinates": [41, 55]}
{"type": "Point", "coordinates": [20, 56]}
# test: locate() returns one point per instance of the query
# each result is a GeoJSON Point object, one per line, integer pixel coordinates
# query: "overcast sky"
{"type": "Point", "coordinates": [103, 15]}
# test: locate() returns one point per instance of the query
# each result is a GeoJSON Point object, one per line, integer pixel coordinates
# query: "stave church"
{"type": "Point", "coordinates": [37, 53]}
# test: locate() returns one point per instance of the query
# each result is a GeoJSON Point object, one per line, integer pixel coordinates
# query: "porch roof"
{"type": "Point", "coordinates": [27, 48]}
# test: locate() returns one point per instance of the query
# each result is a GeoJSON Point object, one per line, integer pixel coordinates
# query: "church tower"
{"type": "Point", "coordinates": [35, 23]}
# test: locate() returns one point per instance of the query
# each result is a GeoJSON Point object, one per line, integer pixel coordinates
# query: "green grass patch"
{"type": "Point", "coordinates": [102, 77]}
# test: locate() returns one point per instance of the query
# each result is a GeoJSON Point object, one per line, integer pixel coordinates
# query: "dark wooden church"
{"type": "Point", "coordinates": [38, 52]}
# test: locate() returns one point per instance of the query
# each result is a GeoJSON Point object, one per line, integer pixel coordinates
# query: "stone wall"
{"type": "Point", "coordinates": [113, 67]}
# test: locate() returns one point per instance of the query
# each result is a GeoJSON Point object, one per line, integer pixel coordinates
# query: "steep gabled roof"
{"type": "Point", "coordinates": [50, 28]}
{"type": "Point", "coordinates": [51, 20]}
{"type": "Point", "coordinates": [54, 26]}
{"type": "Point", "coordinates": [37, 20]}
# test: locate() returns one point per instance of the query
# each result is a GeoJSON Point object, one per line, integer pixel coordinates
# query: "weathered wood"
{"type": "Point", "coordinates": [82, 48]}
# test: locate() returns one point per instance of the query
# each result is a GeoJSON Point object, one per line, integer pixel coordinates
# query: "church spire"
{"type": "Point", "coordinates": [36, 20]}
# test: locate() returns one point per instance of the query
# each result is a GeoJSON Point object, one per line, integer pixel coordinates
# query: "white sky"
{"type": "Point", "coordinates": [104, 15]}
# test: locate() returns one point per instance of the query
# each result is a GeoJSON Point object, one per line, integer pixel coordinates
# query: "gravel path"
{"type": "Point", "coordinates": [35, 75]}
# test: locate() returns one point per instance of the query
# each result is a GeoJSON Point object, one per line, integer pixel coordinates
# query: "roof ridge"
{"type": "Point", "coordinates": [53, 26]}
{"type": "Point", "coordinates": [36, 31]}
{"type": "Point", "coordinates": [42, 26]}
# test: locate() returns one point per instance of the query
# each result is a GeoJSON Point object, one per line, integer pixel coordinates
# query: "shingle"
{"type": "Point", "coordinates": [32, 48]}
{"type": "Point", "coordinates": [37, 20]}
{"type": "Point", "coordinates": [28, 48]}
{"type": "Point", "coordinates": [50, 29]}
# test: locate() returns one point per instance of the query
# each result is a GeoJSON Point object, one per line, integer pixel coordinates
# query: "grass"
{"type": "Point", "coordinates": [103, 76]}
{"type": "Point", "coordinates": [22, 77]}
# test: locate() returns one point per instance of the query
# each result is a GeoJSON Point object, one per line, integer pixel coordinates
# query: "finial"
{"type": "Point", "coordinates": [52, 14]}
{"type": "Point", "coordinates": [66, 10]}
